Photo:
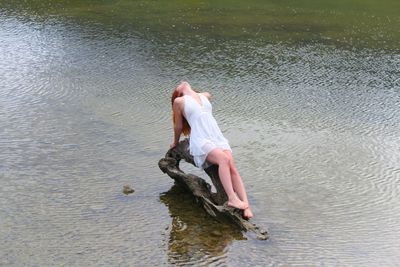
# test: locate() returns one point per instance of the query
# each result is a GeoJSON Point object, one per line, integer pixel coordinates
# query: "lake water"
{"type": "Point", "coordinates": [308, 95]}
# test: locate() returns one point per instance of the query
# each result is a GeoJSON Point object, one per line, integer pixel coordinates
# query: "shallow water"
{"type": "Point", "coordinates": [312, 116]}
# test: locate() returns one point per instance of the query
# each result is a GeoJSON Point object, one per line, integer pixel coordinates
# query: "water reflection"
{"type": "Point", "coordinates": [194, 236]}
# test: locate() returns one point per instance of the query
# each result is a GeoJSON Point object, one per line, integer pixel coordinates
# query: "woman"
{"type": "Point", "coordinates": [192, 115]}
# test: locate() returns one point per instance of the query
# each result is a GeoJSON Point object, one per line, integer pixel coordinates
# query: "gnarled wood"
{"type": "Point", "coordinates": [213, 203]}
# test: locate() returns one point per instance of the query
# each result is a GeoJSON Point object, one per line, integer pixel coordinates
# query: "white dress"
{"type": "Point", "coordinates": [205, 135]}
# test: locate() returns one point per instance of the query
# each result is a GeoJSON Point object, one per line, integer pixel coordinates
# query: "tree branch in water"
{"type": "Point", "coordinates": [213, 203]}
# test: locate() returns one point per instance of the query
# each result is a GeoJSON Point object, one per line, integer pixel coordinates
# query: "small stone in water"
{"type": "Point", "coordinates": [127, 190]}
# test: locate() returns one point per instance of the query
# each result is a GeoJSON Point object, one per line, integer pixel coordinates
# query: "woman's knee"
{"type": "Point", "coordinates": [224, 159]}
{"type": "Point", "coordinates": [219, 157]}
{"type": "Point", "coordinates": [232, 165]}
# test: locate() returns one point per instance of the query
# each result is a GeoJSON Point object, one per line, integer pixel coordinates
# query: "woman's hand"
{"type": "Point", "coordinates": [174, 144]}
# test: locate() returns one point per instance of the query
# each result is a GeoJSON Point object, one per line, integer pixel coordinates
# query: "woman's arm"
{"type": "Point", "coordinates": [178, 121]}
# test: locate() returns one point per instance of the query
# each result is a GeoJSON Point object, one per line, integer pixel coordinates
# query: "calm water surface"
{"type": "Point", "coordinates": [307, 94]}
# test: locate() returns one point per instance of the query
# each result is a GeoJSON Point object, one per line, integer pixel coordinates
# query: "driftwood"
{"type": "Point", "coordinates": [213, 203]}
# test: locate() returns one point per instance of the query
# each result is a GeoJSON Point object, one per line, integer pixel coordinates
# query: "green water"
{"type": "Point", "coordinates": [366, 24]}
{"type": "Point", "coordinates": [306, 92]}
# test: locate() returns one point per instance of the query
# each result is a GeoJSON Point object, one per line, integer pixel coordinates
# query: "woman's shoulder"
{"type": "Point", "coordinates": [178, 101]}
{"type": "Point", "coordinates": [206, 94]}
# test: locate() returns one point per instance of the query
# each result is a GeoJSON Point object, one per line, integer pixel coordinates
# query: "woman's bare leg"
{"type": "Point", "coordinates": [217, 156]}
{"type": "Point", "coordinates": [237, 184]}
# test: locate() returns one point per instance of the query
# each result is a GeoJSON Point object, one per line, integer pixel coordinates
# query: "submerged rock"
{"type": "Point", "coordinates": [127, 190]}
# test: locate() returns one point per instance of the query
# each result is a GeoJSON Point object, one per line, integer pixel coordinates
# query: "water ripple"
{"type": "Point", "coordinates": [85, 110]}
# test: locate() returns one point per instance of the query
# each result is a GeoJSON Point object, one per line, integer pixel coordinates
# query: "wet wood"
{"type": "Point", "coordinates": [213, 203]}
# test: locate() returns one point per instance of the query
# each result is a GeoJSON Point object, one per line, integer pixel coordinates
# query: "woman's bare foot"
{"type": "Point", "coordinates": [237, 203]}
{"type": "Point", "coordinates": [247, 213]}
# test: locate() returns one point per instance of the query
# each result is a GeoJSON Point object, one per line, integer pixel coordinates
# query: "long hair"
{"type": "Point", "coordinates": [185, 124]}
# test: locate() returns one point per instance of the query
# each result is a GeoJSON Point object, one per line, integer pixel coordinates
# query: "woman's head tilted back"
{"type": "Point", "coordinates": [178, 92]}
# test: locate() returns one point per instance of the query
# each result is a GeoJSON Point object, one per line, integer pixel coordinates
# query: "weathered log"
{"type": "Point", "coordinates": [213, 203]}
